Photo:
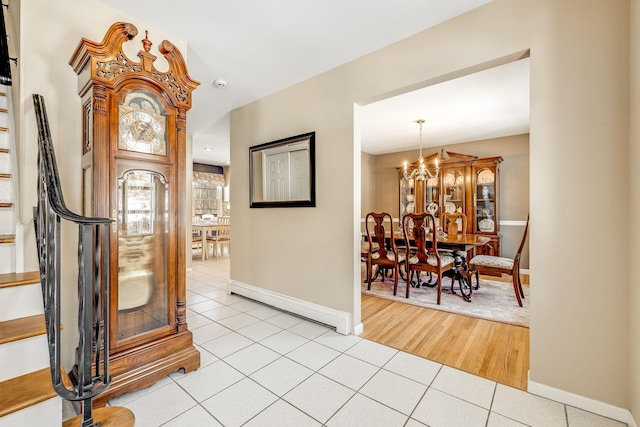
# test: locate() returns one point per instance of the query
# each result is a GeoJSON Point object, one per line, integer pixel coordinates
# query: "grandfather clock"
{"type": "Point", "coordinates": [133, 163]}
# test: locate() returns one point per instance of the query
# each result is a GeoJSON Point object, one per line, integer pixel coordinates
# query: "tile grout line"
{"type": "Point", "coordinates": [313, 371]}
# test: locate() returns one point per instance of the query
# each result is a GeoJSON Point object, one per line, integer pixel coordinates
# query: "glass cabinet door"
{"type": "Point", "coordinates": [407, 196]}
{"type": "Point", "coordinates": [485, 191]}
{"type": "Point", "coordinates": [142, 292]}
{"type": "Point", "coordinates": [432, 200]}
{"type": "Point", "coordinates": [454, 190]}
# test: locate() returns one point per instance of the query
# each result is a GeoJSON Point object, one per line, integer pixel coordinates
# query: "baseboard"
{"type": "Point", "coordinates": [581, 402]}
{"type": "Point", "coordinates": [513, 223]}
{"type": "Point", "coordinates": [341, 320]}
{"type": "Point", "coordinates": [358, 329]}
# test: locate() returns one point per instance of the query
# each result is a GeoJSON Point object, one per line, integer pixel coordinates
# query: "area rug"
{"type": "Point", "coordinates": [494, 300]}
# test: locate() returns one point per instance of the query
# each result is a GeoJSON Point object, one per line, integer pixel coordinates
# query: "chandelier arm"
{"type": "Point", "coordinates": [421, 172]}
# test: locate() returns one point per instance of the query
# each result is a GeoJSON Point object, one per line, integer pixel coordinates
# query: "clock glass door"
{"type": "Point", "coordinates": [143, 254]}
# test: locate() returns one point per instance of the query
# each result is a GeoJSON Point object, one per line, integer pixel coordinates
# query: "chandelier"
{"type": "Point", "coordinates": [421, 173]}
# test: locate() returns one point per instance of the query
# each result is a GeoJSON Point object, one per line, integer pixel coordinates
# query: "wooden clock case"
{"type": "Point", "coordinates": [106, 75]}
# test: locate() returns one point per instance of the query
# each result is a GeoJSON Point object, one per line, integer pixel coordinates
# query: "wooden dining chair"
{"type": "Point", "coordinates": [196, 242]}
{"type": "Point", "coordinates": [420, 232]}
{"type": "Point", "coordinates": [454, 223]}
{"type": "Point", "coordinates": [497, 266]}
{"type": "Point", "coordinates": [222, 237]}
{"type": "Point", "coordinates": [382, 255]}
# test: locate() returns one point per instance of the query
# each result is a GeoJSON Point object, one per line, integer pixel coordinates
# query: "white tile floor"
{"type": "Point", "coordinates": [263, 367]}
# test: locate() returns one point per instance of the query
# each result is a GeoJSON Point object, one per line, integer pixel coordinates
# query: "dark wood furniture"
{"type": "Point", "coordinates": [466, 184]}
{"type": "Point", "coordinates": [454, 223]}
{"type": "Point", "coordinates": [377, 226]}
{"type": "Point", "coordinates": [134, 163]}
{"type": "Point", "coordinates": [420, 233]}
{"type": "Point", "coordinates": [497, 266]}
{"type": "Point", "coordinates": [459, 242]}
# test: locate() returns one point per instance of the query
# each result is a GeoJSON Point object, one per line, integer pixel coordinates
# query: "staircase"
{"type": "Point", "coordinates": [27, 397]}
{"type": "Point", "coordinates": [8, 189]}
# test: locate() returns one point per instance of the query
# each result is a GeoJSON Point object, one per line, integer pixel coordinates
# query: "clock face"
{"type": "Point", "coordinates": [142, 126]}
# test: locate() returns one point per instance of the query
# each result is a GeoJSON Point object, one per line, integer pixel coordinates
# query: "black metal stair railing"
{"type": "Point", "coordinates": [93, 278]}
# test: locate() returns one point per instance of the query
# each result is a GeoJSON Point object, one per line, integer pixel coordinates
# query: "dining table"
{"type": "Point", "coordinates": [457, 243]}
{"type": "Point", "coordinates": [204, 227]}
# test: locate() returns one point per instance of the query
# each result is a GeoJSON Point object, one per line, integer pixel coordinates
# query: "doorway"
{"type": "Point", "coordinates": [494, 350]}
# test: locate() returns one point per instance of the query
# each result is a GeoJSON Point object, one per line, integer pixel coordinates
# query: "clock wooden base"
{"type": "Point", "coordinates": [143, 366]}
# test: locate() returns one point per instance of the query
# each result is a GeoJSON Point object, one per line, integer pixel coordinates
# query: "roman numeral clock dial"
{"type": "Point", "coordinates": [142, 127]}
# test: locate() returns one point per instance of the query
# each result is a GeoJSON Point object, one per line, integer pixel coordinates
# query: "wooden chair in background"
{"type": "Point", "coordinates": [453, 223]}
{"type": "Point", "coordinates": [222, 237]}
{"type": "Point", "coordinates": [379, 254]}
{"type": "Point", "coordinates": [497, 266]}
{"type": "Point", "coordinates": [420, 229]}
{"type": "Point", "coordinates": [196, 243]}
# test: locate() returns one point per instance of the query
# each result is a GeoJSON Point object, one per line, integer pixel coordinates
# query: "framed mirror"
{"type": "Point", "coordinates": [282, 173]}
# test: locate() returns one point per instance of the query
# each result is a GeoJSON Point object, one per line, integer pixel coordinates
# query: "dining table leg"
{"type": "Point", "coordinates": [460, 273]}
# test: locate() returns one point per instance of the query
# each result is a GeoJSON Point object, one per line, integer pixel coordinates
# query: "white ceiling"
{"type": "Point", "coordinates": [487, 104]}
{"type": "Point", "coordinates": [260, 47]}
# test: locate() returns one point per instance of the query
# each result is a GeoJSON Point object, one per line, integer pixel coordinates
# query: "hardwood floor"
{"type": "Point", "coordinates": [492, 350]}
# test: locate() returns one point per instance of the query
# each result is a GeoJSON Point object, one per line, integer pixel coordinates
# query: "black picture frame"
{"type": "Point", "coordinates": [296, 156]}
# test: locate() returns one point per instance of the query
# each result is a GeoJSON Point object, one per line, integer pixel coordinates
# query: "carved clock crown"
{"type": "Point", "coordinates": [109, 64]}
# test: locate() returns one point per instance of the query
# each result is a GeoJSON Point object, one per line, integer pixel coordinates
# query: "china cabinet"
{"type": "Point", "coordinates": [465, 184]}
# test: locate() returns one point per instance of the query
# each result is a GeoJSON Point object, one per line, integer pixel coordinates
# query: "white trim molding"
{"type": "Point", "coordinates": [341, 320]}
{"type": "Point", "coordinates": [358, 329]}
{"type": "Point", "coordinates": [513, 223]}
{"type": "Point", "coordinates": [581, 402]}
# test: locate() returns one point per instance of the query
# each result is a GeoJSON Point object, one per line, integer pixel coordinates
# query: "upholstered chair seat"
{"type": "Point", "coordinates": [493, 261]}
{"type": "Point", "coordinates": [497, 266]}
{"type": "Point", "coordinates": [391, 256]}
{"type": "Point", "coordinates": [445, 260]}
{"type": "Point", "coordinates": [449, 252]}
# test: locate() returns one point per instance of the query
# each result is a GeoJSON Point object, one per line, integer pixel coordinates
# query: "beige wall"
{"type": "Point", "coordinates": [49, 34]}
{"type": "Point", "coordinates": [634, 224]}
{"type": "Point", "coordinates": [580, 332]}
{"type": "Point", "coordinates": [579, 132]}
{"type": "Point", "coordinates": [580, 122]}
{"type": "Point", "coordinates": [368, 180]}
{"type": "Point", "coordinates": [514, 182]}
